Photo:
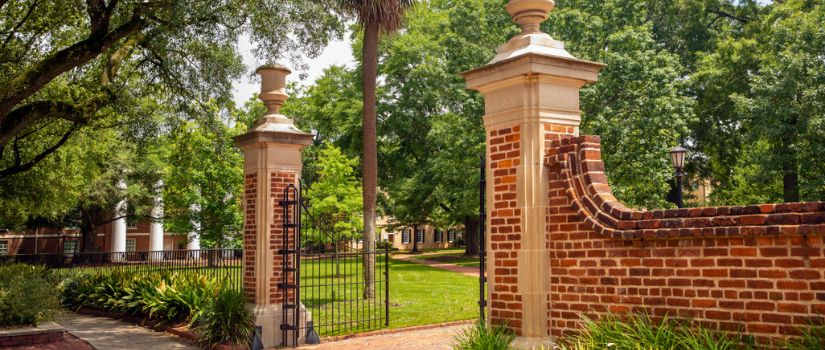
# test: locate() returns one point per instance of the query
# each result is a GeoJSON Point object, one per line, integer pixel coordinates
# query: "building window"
{"type": "Point", "coordinates": [405, 237]}
{"type": "Point", "coordinates": [4, 248]}
{"type": "Point", "coordinates": [130, 244]}
{"type": "Point", "coordinates": [437, 235]}
{"type": "Point", "coordinates": [70, 247]}
{"type": "Point", "coordinates": [419, 235]}
{"type": "Point", "coordinates": [450, 235]}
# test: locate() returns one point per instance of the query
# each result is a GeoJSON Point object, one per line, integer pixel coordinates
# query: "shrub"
{"type": "Point", "coordinates": [226, 320]}
{"type": "Point", "coordinates": [638, 331]}
{"type": "Point", "coordinates": [27, 295]}
{"type": "Point", "coordinates": [165, 296]}
{"type": "Point", "coordinates": [480, 337]}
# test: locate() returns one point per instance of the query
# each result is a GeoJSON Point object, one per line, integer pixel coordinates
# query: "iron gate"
{"type": "Point", "coordinates": [331, 282]}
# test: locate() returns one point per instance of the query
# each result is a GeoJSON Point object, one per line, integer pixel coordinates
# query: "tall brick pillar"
{"type": "Point", "coordinates": [531, 91]}
{"type": "Point", "coordinates": [272, 161]}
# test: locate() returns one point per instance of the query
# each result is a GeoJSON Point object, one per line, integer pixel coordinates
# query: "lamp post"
{"type": "Point", "coordinates": [677, 156]}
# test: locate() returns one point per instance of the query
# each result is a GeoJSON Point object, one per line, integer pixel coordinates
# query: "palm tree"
{"type": "Point", "coordinates": [375, 16]}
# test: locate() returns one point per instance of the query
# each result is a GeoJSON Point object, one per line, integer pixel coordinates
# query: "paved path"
{"type": "Point", "coordinates": [105, 334]}
{"type": "Point", "coordinates": [465, 270]}
{"type": "Point", "coordinates": [439, 338]}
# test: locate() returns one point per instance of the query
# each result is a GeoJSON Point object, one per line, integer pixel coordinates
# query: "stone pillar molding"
{"type": "Point", "coordinates": [531, 90]}
{"type": "Point", "coordinates": [272, 161]}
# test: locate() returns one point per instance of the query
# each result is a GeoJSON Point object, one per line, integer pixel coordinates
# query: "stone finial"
{"type": "Point", "coordinates": [273, 92]}
{"type": "Point", "coordinates": [529, 14]}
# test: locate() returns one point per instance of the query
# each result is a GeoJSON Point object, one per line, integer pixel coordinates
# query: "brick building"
{"type": "Point", "coordinates": [50, 240]}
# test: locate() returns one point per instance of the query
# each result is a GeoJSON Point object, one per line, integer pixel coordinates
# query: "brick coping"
{"type": "Point", "coordinates": [47, 327]}
{"type": "Point", "coordinates": [396, 330]}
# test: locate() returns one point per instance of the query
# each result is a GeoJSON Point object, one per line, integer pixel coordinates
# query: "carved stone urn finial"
{"type": "Point", "coordinates": [529, 14]}
{"type": "Point", "coordinates": [273, 92]}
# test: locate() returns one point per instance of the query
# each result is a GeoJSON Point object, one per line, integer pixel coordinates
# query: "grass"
{"type": "Point", "coordinates": [419, 295]}
{"type": "Point", "coordinates": [450, 256]}
{"type": "Point", "coordinates": [639, 331]}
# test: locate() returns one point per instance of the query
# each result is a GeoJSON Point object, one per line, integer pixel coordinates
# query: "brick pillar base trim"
{"type": "Point", "coordinates": [270, 317]}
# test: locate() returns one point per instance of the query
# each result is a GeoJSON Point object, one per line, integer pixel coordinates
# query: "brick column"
{"type": "Point", "coordinates": [531, 91]}
{"type": "Point", "coordinates": [272, 161]}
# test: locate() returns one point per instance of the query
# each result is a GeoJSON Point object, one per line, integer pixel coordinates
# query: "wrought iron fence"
{"type": "Point", "coordinates": [225, 264]}
{"type": "Point", "coordinates": [335, 289]}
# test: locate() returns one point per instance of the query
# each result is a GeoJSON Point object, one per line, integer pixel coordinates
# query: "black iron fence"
{"type": "Point", "coordinates": [339, 294]}
{"type": "Point", "coordinates": [225, 264]}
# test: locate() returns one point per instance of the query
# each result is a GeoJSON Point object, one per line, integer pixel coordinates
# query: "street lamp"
{"type": "Point", "coordinates": [677, 156]}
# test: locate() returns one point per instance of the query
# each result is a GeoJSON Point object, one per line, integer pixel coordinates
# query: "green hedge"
{"type": "Point", "coordinates": [27, 295]}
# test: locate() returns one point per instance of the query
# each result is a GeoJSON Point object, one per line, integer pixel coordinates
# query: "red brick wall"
{"type": "Point", "coordinates": [505, 227]}
{"type": "Point", "coordinates": [756, 269]}
{"type": "Point", "coordinates": [249, 239]}
{"type": "Point", "coordinates": [279, 182]}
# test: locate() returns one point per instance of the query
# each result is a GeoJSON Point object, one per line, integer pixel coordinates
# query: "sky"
{"type": "Point", "coordinates": [337, 52]}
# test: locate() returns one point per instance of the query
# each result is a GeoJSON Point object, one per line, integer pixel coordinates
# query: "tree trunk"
{"type": "Point", "coordinates": [90, 218]}
{"type": "Point", "coordinates": [415, 238]}
{"type": "Point", "coordinates": [790, 184]}
{"type": "Point", "coordinates": [370, 163]}
{"type": "Point", "coordinates": [471, 240]}
{"type": "Point", "coordinates": [790, 169]}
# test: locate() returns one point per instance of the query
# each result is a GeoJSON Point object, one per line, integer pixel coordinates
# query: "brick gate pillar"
{"type": "Point", "coordinates": [272, 161]}
{"type": "Point", "coordinates": [531, 91]}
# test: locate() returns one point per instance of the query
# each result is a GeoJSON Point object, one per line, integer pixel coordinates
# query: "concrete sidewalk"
{"type": "Point", "coordinates": [105, 334]}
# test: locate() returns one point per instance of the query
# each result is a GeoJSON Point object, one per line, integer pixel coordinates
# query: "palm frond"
{"type": "Point", "coordinates": [388, 14]}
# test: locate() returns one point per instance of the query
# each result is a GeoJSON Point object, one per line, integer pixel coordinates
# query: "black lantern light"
{"type": "Point", "coordinates": [677, 156]}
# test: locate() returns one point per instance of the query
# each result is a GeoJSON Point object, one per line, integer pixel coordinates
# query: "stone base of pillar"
{"type": "Point", "coordinates": [270, 317]}
{"type": "Point", "coordinates": [524, 343]}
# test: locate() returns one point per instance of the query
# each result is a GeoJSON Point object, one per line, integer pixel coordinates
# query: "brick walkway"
{"type": "Point", "coordinates": [439, 338]}
{"type": "Point", "coordinates": [105, 334]}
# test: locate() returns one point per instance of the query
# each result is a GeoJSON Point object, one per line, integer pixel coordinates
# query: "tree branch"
{"type": "Point", "coordinates": [30, 81]}
{"type": "Point", "coordinates": [718, 13]}
{"type": "Point", "coordinates": [22, 117]}
{"type": "Point", "coordinates": [19, 24]}
{"type": "Point", "coordinates": [20, 167]}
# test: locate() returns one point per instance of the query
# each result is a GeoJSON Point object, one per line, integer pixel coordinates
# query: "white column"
{"type": "Point", "coordinates": [119, 226]}
{"type": "Point", "coordinates": [156, 226]}
{"type": "Point", "coordinates": [193, 241]}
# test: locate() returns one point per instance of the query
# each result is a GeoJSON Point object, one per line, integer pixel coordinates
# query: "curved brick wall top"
{"type": "Point", "coordinates": [578, 159]}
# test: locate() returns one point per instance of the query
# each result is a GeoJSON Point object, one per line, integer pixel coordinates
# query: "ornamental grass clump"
{"type": "Point", "coordinates": [27, 295]}
{"type": "Point", "coordinates": [639, 331]}
{"type": "Point", "coordinates": [226, 320]}
{"type": "Point", "coordinates": [811, 337]}
{"type": "Point", "coordinates": [481, 337]}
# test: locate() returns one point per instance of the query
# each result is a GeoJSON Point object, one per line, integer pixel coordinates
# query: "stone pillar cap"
{"type": "Point", "coordinates": [274, 127]}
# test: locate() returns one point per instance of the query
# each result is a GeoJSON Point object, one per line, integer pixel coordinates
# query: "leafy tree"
{"type": "Point", "coordinates": [760, 97]}
{"type": "Point", "coordinates": [335, 203]}
{"type": "Point", "coordinates": [204, 169]}
{"type": "Point", "coordinates": [375, 16]}
{"type": "Point", "coordinates": [109, 56]}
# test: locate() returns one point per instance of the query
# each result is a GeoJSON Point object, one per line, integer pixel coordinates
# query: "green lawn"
{"type": "Point", "coordinates": [451, 256]}
{"type": "Point", "coordinates": [419, 295]}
